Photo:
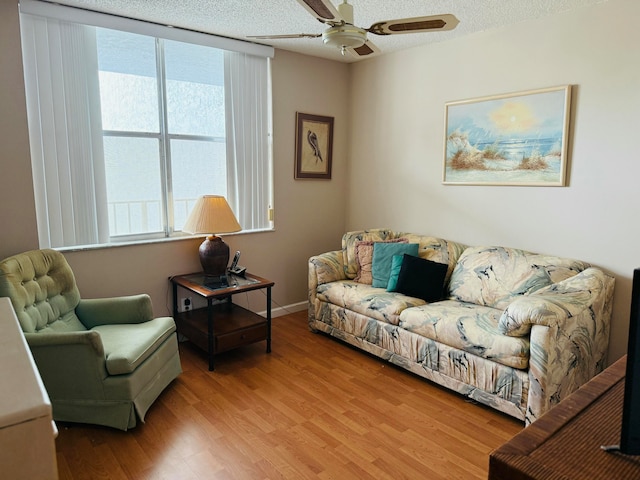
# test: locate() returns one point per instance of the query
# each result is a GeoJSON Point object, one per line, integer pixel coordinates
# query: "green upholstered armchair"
{"type": "Point", "coordinates": [102, 361]}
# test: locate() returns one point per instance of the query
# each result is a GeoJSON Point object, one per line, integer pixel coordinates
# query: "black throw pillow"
{"type": "Point", "coordinates": [421, 278]}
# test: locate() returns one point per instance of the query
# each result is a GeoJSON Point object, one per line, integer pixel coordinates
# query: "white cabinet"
{"type": "Point", "coordinates": [27, 430]}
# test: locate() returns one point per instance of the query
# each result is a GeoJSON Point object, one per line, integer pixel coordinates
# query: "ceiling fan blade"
{"type": "Point", "coordinates": [292, 35]}
{"type": "Point", "coordinates": [365, 50]}
{"type": "Point", "coordinates": [323, 10]}
{"type": "Point", "coordinates": [415, 25]}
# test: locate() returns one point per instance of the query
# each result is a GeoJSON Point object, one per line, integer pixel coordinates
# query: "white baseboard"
{"type": "Point", "coordinates": [279, 311]}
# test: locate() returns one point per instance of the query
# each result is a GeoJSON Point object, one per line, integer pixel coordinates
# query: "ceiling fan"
{"type": "Point", "coordinates": [342, 33]}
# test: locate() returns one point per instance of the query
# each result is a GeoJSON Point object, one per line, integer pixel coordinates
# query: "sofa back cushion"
{"type": "Point", "coordinates": [351, 239]}
{"type": "Point", "coordinates": [494, 276]}
{"type": "Point", "coordinates": [430, 248]}
{"type": "Point", "coordinates": [436, 249]}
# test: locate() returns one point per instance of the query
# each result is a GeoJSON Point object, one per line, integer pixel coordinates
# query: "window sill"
{"type": "Point", "coordinates": [177, 238]}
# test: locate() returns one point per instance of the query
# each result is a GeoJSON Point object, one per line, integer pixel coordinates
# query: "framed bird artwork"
{"type": "Point", "coordinates": [314, 146]}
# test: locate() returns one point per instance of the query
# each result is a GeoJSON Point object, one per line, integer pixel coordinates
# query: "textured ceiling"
{"type": "Point", "coordinates": [239, 18]}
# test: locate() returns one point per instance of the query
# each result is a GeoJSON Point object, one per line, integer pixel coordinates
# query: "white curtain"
{"type": "Point", "coordinates": [248, 123]}
{"type": "Point", "coordinates": [65, 132]}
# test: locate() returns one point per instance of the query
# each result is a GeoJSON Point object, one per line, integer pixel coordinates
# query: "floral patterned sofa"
{"type": "Point", "coordinates": [514, 330]}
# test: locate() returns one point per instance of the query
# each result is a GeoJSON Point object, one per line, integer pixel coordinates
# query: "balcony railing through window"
{"type": "Point", "coordinates": [144, 216]}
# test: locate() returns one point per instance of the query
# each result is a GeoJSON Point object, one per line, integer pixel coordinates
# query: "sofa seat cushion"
{"type": "Point", "coordinates": [467, 327]}
{"type": "Point", "coordinates": [367, 300]}
{"type": "Point", "coordinates": [495, 276]}
{"type": "Point", "coordinates": [127, 346]}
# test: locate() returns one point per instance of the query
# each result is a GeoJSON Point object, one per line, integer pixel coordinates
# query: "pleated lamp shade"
{"type": "Point", "coordinates": [212, 214]}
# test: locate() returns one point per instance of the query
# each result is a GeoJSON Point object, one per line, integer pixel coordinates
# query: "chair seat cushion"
{"type": "Point", "coordinates": [127, 346]}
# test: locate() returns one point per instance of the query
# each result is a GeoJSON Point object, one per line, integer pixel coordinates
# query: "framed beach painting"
{"type": "Point", "coordinates": [511, 139]}
{"type": "Point", "coordinates": [314, 145]}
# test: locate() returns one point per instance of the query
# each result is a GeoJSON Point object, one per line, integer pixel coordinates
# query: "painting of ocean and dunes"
{"type": "Point", "coordinates": [512, 139]}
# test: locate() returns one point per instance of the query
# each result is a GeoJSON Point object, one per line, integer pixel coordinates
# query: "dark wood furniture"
{"type": "Point", "coordinates": [565, 443]}
{"type": "Point", "coordinates": [222, 326]}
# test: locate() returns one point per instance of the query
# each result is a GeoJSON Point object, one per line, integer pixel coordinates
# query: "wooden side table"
{"type": "Point", "coordinates": [564, 444]}
{"type": "Point", "coordinates": [222, 326]}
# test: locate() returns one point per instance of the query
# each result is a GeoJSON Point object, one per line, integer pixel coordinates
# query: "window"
{"type": "Point", "coordinates": [127, 130]}
{"type": "Point", "coordinates": [174, 135]}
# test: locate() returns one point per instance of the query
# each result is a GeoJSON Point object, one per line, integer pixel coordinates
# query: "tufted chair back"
{"type": "Point", "coordinates": [43, 291]}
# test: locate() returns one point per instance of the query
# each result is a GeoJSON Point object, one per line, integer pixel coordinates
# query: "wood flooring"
{"type": "Point", "coordinates": [314, 408]}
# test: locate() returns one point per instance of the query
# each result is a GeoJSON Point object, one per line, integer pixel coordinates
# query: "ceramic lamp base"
{"type": "Point", "coordinates": [214, 256]}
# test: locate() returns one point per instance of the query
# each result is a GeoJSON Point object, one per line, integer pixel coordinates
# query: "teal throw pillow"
{"type": "Point", "coordinates": [396, 263]}
{"type": "Point", "coordinates": [382, 255]}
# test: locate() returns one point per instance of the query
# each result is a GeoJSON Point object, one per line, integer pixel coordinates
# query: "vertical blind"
{"type": "Point", "coordinates": [65, 132]}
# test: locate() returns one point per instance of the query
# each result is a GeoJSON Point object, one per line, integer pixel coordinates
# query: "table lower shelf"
{"type": "Point", "coordinates": [233, 327]}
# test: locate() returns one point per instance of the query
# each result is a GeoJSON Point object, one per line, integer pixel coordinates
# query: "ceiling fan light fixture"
{"type": "Point", "coordinates": [343, 36]}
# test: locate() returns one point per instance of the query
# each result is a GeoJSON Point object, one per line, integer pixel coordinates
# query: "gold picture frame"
{"type": "Point", "coordinates": [314, 146]}
{"type": "Point", "coordinates": [512, 139]}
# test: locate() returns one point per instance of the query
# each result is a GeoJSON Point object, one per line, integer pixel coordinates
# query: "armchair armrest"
{"type": "Point", "coordinates": [90, 339]}
{"type": "Point", "coordinates": [64, 357]}
{"type": "Point", "coordinates": [568, 328]}
{"type": "Point", "coordinates": [115, 310]}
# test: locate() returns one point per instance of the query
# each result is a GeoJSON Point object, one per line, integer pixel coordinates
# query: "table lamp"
{"type": "Point", "coordinates": [212, 214]}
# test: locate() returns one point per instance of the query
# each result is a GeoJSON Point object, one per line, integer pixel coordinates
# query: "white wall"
{"type": "Point", "coordinates": [309, 214]}
{"type": "Point", "coordinates": [397, 132]}
{"type": "Point", "coordinates": [388, 158]}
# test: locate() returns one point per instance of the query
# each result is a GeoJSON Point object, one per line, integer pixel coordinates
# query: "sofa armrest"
{"type": "Point", "coordinates": [326, 268]}
{"type": "Point", "coordinates": [568, 325]}
{"type": "Point", "coordinates": [115, 310]}
{"type": "Point", "coordinates": [553, 305]}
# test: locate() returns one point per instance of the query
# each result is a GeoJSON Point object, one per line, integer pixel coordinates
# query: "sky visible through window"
{"type": "Point", "coordinates": [130, 109]}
